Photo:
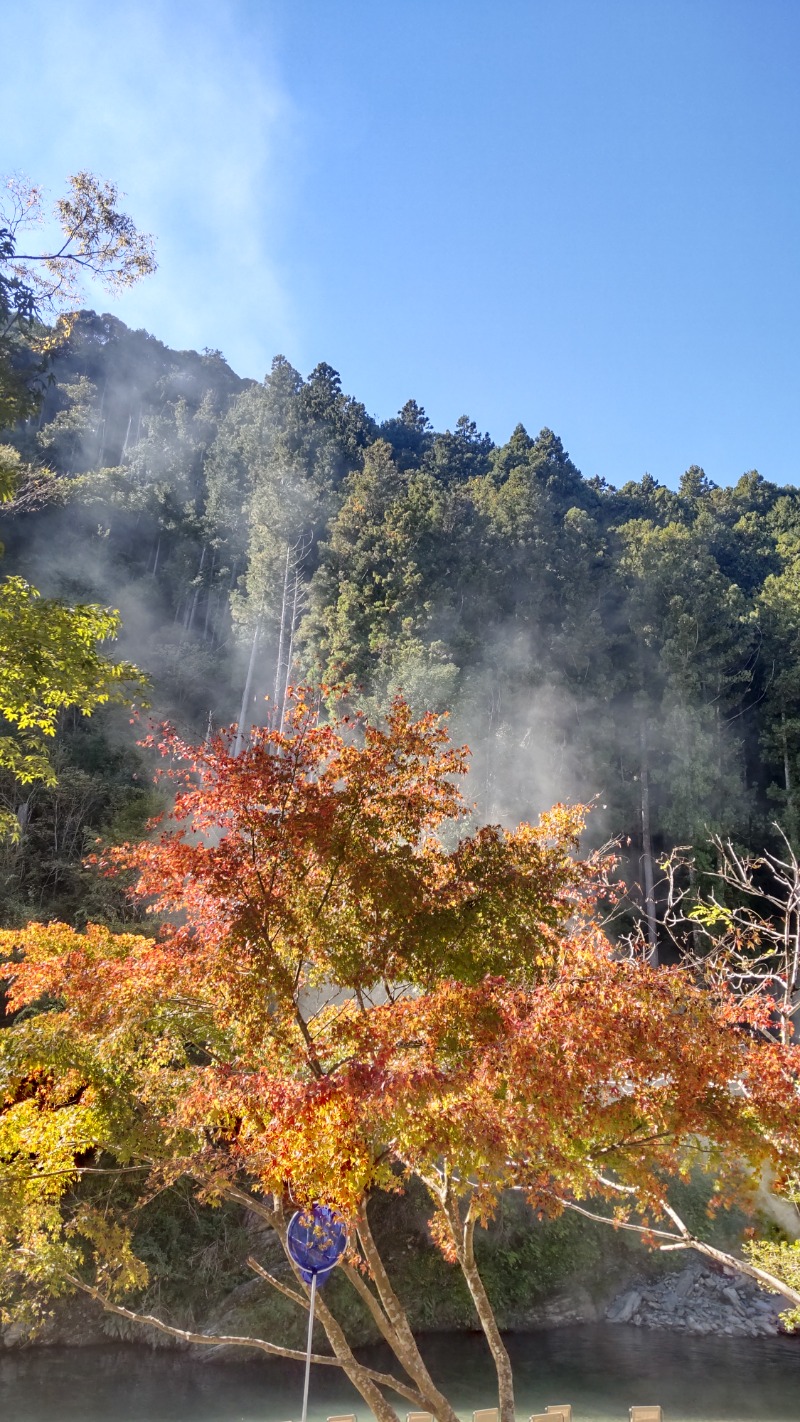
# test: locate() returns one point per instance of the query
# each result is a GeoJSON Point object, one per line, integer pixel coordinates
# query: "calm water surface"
{"type": "Point", "coordinates": [600, 1369]}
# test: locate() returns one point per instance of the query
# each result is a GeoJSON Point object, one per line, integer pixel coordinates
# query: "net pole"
{"type": "Point", "coordinates": [308, 1345]}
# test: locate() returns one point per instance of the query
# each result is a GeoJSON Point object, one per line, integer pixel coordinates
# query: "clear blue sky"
{"type": "Point", "coordinates": [576, 213]}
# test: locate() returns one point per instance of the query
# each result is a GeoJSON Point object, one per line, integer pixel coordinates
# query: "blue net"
{"type": "Point", "coordinates": [316, 1240]}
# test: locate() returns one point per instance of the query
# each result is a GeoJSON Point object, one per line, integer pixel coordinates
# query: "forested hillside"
{"type": "Point", "coordinates": [638, 644]}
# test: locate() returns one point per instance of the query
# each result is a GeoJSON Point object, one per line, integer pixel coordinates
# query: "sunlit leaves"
{"type": "Point", "coordinates": [346, 990]}
{"type": "Point", "coordinates": [97, 240]}
{"type": "Point", "coordinates": [51, 657]}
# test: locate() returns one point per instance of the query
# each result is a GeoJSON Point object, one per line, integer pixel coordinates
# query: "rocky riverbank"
{"type": "Point", "coordinates": [695, 1299]}
{"type": "Point", "coordinates": [701, 1300]}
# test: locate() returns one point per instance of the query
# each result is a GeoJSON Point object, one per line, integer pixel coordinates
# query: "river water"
{"type": "Point", "coordinates": [600, 1369]}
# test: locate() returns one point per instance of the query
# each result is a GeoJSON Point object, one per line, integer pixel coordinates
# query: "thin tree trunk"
{"type": "Point", "coordinates": [101, 446]}
{"type": "Point", "coordinates": [210, 597]}
{"type": "Point", "coordinates": [391, 1320]}
{"type": "Point", "coordinates": [189, 623]}
{"type": "Point", "coordinates": [404, 1344]}
{"type": "Point", "coordinates": [491, 742]}
{"type": "Point", "coordinates": [697, 937]}
{"type": "Point", "coordinates": [358, 1375]}
{"type": "Point", "coordinates": [463, 1235]}
{"type": "Point", "coordinates": [290, 651]}
{"type": "Point", "coordinates": [247, 688]}
{"type": "Point", "coordinates": [647, 848]}
{"type": "Point", "coordinates": [277, 709]}
{"type": "Point", "coordinates": [791, 814]}
{"type": "Point", "coordinates": [223, 604]}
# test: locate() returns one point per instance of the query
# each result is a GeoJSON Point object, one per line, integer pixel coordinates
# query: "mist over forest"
{"type": "Point", "coordinates": [635, 646]}
{"type": "Point", "coordinates": [400, 807]}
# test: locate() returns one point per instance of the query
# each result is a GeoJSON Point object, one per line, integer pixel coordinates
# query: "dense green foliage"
{"type": "Point", "coordinates": [638, 644]}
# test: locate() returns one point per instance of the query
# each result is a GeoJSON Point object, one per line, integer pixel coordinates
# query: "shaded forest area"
{"type": "Point", "coordinates": [638, 645]}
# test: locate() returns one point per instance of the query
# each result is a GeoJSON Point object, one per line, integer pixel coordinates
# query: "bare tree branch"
{"type": "Point", "coordinates": [682, 1238]}
{"type": "Point", "coordinates": [284, 1289]}
{"type": "Point", "coordinates": [232, 1340]}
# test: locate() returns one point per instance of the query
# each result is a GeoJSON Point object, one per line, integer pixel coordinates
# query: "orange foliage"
{"type": "Point", "coordinates": [344, 990]}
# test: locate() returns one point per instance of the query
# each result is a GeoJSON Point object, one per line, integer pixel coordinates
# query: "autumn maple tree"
{"type": "Point", "coordinates": [350, 987]}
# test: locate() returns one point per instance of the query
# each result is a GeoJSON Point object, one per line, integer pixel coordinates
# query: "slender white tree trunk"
{"type": "Point", "coordinates": [647, 847]}
{"type": "Point", "coordinates": [248, 686]}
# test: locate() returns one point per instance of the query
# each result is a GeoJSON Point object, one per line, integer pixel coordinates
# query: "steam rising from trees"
{"type": "Point", "coordinates": [637, 645]}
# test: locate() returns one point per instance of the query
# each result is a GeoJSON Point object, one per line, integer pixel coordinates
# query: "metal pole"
{"type": "Point", "coordinates": [308, 1346]}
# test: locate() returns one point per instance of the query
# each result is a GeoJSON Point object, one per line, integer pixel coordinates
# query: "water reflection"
{"type": "Point", "coordinates": [599, 1369]}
